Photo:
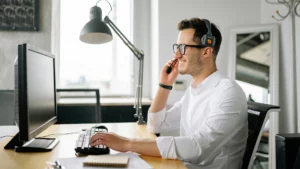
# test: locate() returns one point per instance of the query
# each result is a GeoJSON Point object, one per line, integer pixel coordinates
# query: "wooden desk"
{"type": "Point", "coordinates": [65, 148]}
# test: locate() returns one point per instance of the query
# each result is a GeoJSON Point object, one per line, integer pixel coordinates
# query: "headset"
{"type": "Point", "coordinates": [208, 39]}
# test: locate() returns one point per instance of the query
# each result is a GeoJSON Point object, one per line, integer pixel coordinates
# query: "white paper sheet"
{"type": "Point", "coordinates": [135, 162]}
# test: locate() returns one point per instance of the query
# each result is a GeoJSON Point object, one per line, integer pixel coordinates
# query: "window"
{"type": "Point", "coordinates": [255, 93]}
{"type": "Point", "coordinates": [109, 66]}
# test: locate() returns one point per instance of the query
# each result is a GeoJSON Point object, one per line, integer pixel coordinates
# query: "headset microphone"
{"type": "Point", "coordinates": [169, 69]}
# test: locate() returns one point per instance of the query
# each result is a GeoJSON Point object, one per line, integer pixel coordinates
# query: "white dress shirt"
{"type": "Point", "coordinates": [213, 123]}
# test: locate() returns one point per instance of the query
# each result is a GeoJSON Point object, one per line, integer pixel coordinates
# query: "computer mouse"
{"type": "Point", "coordinates": [101, 127]}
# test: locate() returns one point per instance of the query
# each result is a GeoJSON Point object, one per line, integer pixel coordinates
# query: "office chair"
{"type": "Point", "coordinates": [287, 150]}
{"type": "Point", "coordinates": [7, 113]}
{"type": "Point", "coordinates": [297, 161]}
{"type": "Point", "coordinates": [65, 116]}
{"type": "Point", "coordinates": [258, 114]}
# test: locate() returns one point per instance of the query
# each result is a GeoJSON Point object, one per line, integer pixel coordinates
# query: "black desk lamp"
{"type": "Point", "coordinates": [97, 32]}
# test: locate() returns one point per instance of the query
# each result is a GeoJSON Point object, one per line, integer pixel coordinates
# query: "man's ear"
{"type": "Point", "coordinates": [207, 52]}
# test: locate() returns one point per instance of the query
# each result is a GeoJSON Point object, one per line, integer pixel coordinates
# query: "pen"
{"type": "Point", "coordinates": [55, 165]}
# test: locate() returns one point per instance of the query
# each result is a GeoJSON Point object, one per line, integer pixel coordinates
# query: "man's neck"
{"type": "Point", "coordinates": [199, 78]}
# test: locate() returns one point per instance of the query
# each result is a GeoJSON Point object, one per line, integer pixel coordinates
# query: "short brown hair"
{"type": "Point", "coordinates": [200, 30]}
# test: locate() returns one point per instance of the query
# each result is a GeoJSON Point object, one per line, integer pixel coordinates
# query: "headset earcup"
{"type": "Point", "coordinates": [208, 39]}
{"type": "Point", "coordinates": [203, 40]}
{"type": "Point", "coordinates": [214, 41]}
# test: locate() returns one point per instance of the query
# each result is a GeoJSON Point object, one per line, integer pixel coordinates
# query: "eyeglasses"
{"type": "Point", "coordinates": [182, 47]}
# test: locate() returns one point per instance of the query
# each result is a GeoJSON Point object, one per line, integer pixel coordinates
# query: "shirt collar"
{"type": "Point", "coordinates": [212, 80]}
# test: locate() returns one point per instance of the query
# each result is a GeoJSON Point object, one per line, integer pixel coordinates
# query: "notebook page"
{"type": "Point", "coordinates": [106, 160]}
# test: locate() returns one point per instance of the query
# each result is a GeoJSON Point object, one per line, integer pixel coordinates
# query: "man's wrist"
{"type": "Point", "coordinates": [165, 86]}
{"type": "Point", "coordinates": [129, 145]}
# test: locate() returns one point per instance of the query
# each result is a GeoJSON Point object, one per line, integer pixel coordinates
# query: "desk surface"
{"type": "Point", "coordinates": [65, 148]}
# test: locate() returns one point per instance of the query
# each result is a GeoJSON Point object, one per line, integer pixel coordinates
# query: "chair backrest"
{"type": "Point", "coordinates": [7, 113]}
{"type": "Point", "coordinates": [94, 118]}
{"type": "Point", "coordinates": [297, 161]}
{"type": "Point", "coordinates": [258, 114]}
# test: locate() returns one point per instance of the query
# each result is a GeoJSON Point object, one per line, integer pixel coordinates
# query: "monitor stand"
{"type": "Point", "coordinates": [13, 142]}
{"type": "Point", "coordinates": [33, 145]}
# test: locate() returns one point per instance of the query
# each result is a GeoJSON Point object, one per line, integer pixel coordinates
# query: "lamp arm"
{"type": "Point", "coordinates": [140, 56]}
{"type": "Point", "coordinates": [137, 53]}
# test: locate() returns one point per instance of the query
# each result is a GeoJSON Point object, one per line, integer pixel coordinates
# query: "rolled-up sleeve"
{"type": "Point", "coordinates": [164, 120]}
{"type": "Point", "coordinates": [201, 145]}
{"type": "Point", "coordinates": [155, 120]}
{"type": "Point", "coordinates": [224, 121]}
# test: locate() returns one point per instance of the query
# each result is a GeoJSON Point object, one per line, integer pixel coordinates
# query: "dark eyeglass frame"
{"type": "Point", "coordinates": [183, 46]}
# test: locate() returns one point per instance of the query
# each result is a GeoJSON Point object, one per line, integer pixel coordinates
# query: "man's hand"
{"type": "Point", "coordinates": [161, 97]}
{"type": "Point", "coordinates": [168, 79]}
{"type": "Point", "coordinates": [111, 140]}
{"type": "Point", "coordinates": [122, 144]}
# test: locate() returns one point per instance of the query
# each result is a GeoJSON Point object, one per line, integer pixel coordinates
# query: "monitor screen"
{"type": "Point", "coordinates": [36, 91]}
{"type": "Point", "coordinates": [40, 89]}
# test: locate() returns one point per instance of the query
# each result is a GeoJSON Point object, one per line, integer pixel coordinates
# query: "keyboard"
{"type": "Point", "coordinates": [83, 142]}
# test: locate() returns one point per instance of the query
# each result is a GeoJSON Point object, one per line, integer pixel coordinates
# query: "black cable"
{"type": "Point", "coordinates": [110, 8]}
{"type": "Point", "coordinates": [59, 134]}
{"type": "Point", "coordinates": [109, 5]}
{"type": "Point", "coordinates": [6, 136]}
{"type": "Point", "coordinates": [96, 126]}
{"type": "Point", "coordinates": [98, 2]}
{"type": "Point", "coordinates": [64, 133]}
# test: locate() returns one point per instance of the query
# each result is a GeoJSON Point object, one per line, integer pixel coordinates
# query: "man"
{"type": "Point", "coordinates": [211, 116]}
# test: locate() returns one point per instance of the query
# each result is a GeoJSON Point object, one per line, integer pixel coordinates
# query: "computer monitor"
{"type": "Point", "coordinates": [35, 98]}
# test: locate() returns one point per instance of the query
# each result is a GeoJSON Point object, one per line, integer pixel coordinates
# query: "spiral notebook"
{"type": "Point", "coordinates": [106, 161]}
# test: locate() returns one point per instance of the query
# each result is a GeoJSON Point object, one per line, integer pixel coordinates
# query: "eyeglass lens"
{"type": "Point", "coordinates": [180, 47]}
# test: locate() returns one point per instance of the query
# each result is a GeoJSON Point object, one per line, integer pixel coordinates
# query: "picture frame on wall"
{"type": "Point", "coordinates": [19, 15]}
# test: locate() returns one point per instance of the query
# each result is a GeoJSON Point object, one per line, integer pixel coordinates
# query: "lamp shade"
{"type": "Point", "coordinates": [95, 31]}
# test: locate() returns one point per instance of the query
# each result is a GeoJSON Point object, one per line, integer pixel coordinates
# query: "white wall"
{"type": "Point", "coordinates": [142, 41]}
{"type": "Point", "coordinates": [289, 73]}
{"type": "Point", "coordinates": [167, 13]}
{"type": "Point", "coordinates": [297, 34]}
{"type": "Point", "coordinates": [55, 36]}
{"type": "Point", "coordinates": [9, 41]}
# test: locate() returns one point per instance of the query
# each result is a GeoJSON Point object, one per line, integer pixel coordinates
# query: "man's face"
{"type": "Point", "coordinates": [191, 62]}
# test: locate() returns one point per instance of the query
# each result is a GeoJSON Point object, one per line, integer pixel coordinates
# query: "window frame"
{"type": "Point", "coordinates": [114, 56]}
